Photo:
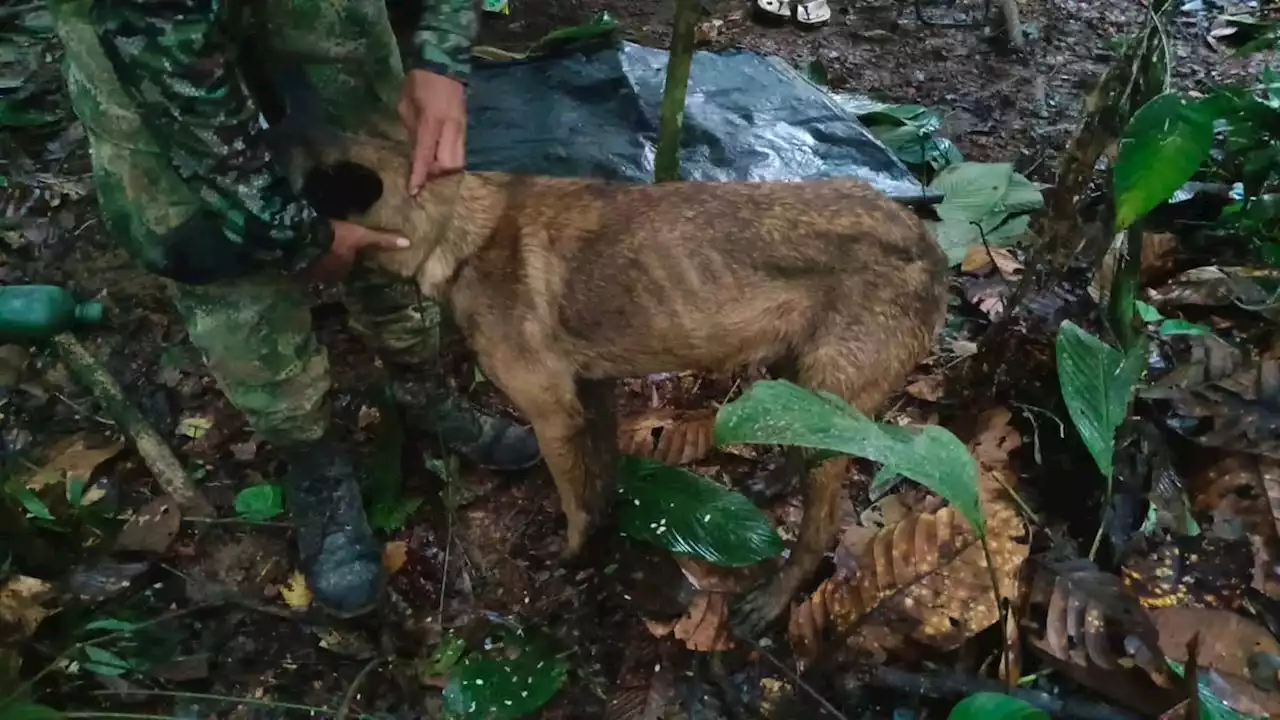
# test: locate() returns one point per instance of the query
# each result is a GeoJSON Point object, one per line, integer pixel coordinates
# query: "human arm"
{"type": "Point", "coordinates": [433, 103]}
{"type": "Point", "coordinates": [175, 59]}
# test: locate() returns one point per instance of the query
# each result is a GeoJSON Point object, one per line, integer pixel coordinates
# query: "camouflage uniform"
{"type": "Point", "coordinates": [186, 182]}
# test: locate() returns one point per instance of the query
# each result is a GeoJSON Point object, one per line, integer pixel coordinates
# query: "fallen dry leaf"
{"type": "Point", "coordinates": [21, 608]}
{"type": "Point", "coordinates": [1227, 642]}
{"type": "Point", "coordinates": [394, 555]}
{"type": "Point", "coordinates": [925, 576]}
{"type": "Point", "coordinates": [1088, 619]}
{"type": "Point", "coordinates": [194, 426]}
{"type": "Point", "coordinates": [295, 593]}
{"type": "Point", "coordinates": [1219, 286]}
{"type": "Point", "coordinates": [671, 437]}
{"type": "Point", "coordinates": [1158, 250]}
{"type": "Point", "coordinates": [152, 529]}
{"type": "Point", "coordinates": [1236, 412]}
{"type": "Point", "coordinates": [72, 460]}
{"type": "Point", "coordinates": [704, 627]}
{"type": "Point", "coordinates": [928, 388]}
{"type": "Point", "coordinates": [978, 259]}
{"type": "Point", "coordinates": [1242, 489]}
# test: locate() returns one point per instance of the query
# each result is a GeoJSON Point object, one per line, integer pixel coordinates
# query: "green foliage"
{"type": "Point", "coordinates": [1162, 147]}
{"type": "Point", "coordinates": [907, 130]}
{"type": "Point", "coordinates": [1096, 381]}
{"type": "Point", "coordinates": [779, 412]}
{"type": "Point", "coordinates": [982, 200]}
{"type": "Point", "coordinates": [1211, 706]}
{"type": "Point", "coordinates": [1168, 327]}
{"type": "Point", "coordinates": [260, 503]}
{"type": "Point", "coordinates": [995, 706]}
{"type": "Point", "coordinates": [690, 515]}
{"type": "Point", "coordinates": [509, 679]}
{"type": "Point", "coordinates": [389, 509]}
{"type": "Point", "coordinates": [27, 710]}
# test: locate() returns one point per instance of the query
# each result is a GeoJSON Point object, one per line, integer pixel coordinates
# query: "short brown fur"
{"type": "Point", "coordinates": [561, 285]}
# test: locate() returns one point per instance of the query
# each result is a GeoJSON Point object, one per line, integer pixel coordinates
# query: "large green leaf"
{"type": "Point", "coordinates": [259, 503]}
{"type": "Point", "coordinates": [690, 515]}
{"type": "Point", "coordinates": [27, 710]}
{"type": "Point", "coordinates": [982, 200]}
{"type": "Point", "coordinates": [782, 413]}
{"type": "Point", "coordinates": [1096, 381]}
{"type": "Point", "coordinates": [995, 706]}
{"type": "Point", "coordinates": [509, 679]}
{"type": "Point", "coordinates": [1162, 147]}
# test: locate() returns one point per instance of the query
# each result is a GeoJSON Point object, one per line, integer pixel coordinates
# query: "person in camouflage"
{"type": "Point", "coordinates": [186, 181]}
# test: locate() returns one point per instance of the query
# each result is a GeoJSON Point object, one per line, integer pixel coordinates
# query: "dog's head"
{"type": "Point", "coordinates": [363, 179]}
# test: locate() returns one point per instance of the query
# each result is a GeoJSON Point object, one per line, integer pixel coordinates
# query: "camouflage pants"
{"type": "Point", "coordinates": [255, 333]}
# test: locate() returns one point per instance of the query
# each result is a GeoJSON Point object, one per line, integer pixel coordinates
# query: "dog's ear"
{"type": "Point", "coordinates": [341, 190]}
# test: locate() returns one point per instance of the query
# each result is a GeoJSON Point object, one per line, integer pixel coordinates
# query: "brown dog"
{"type": "Point", "coordinates": [562, 285]}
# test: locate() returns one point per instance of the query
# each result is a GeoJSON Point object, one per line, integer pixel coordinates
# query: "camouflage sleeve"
{"type": "Point", "coordinates": [443, 38]}
{"type": "Point", "coordinates": [176, 61]}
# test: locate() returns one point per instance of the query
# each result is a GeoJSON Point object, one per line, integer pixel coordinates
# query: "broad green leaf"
{"type": "Point", "coordinates": [1096, 381]}
{"type": "Point", "coordinates": [1148, 312]}
{"type": "Point", "coordinates": [260, 502]}
{"type": "Point", "coordinates": [690, 515]}
{"type": "Point", "coordinates": [1174, 326]}
{"type": "Point", "coordinates": [104, 662]}
{"type": "Point", "coordinates": [112, 625]}
{"type": "Point", "coordinates": [782, 413]}
{"type": "Point", "coordinates": [1162, 147]}
{"type": "Point", "coordinates": [31, 502]}
{"type": "Point", "coordinates": [995, 706]}
{"type": "Point", "coordinates": [27, 710]}
{"type": "Point", "coordinates": [393, 516]}
{"type": "Point", "coordinates": [991, 195]}
{"type": "Point", "coordinates": [493, 685]}
{"type": "Point", "coordinates": [446, 655]}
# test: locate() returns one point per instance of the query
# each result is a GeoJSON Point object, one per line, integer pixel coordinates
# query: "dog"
{"type": "Point", "coordinates": [561, 286]}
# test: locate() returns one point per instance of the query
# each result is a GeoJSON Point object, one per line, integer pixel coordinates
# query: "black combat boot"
{"type": "Point", "coordinates": [339, 555]}
{"type": "Point", "coordinates": [491, 442]}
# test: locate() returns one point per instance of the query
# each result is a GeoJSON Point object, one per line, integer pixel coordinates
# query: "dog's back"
{"type": "Point", "coordinates": [713, 275]}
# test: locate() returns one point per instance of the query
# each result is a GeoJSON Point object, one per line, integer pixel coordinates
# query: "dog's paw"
{"type": "Point", "coordinates": [759, 608]}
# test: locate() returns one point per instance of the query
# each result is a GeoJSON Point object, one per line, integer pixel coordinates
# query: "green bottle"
{"type": "Point", "coordinates": [37, 312]}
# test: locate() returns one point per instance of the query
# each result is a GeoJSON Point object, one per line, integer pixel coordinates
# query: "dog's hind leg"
{"type": "Point", "coordinates": [837, 361]}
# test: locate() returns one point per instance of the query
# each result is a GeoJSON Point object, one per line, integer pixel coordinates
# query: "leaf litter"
{"type": "Point", "coordinates": [912, 547]}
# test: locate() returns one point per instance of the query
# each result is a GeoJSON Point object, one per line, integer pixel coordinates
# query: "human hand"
{"type": "Point", "coordinates": [433, 109]}
{"type": "Point", "coordinates": [348, 240]}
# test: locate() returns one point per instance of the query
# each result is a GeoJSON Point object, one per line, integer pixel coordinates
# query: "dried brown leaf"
{"type": "Point", "coordinates": [1219, 286]}
{"type": "Point", "coordinates": [978, 260]}
{"type": "Point", "coordinates": [22, 608]}
{"type": "Point", "coordinates": [1200, 570]}
{"type": "Point", "coordinates": [1238, 412]}
{"type": "Point", "coordinates": [1088, 619]}
{"type": "Point", "coordinates": [394, 555]}
{"type": "Point", "coordinates": [1158, 250]}
{"type": "Point", "coordinates": [1227, 641]}
{"type": "Point", "coordinates": [671, 437]}
{"type": "Point", "coordinates": [928, 388]}
{"type": "Point", "coordinates": [1244, 490]}
{"type": "Point", "coordinates": [926, 575]}
{"type": "Point", "coordinates": [151, 529]}
{"type": "Point", "coordinates": [72, 459]}
{"type": "Point", "coordinates": [704, 627]}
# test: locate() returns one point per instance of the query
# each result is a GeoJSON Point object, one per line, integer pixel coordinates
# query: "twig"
{"type": "Point", "coordinates": [955, 685]}
{"type": "Point", "coordinates": [795, 678]}
{"type": "Point", "coordinates": [350, 695]}
{"type": "Point", "coordinates": [154, 451]}
{"type": "Point", "coordinates": [218, 698]}
{"type": "Point", "coordinates": [24, 687]}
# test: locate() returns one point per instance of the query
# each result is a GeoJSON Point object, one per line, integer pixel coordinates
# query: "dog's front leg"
{"type": "Point", "coordinates": [545, 392]}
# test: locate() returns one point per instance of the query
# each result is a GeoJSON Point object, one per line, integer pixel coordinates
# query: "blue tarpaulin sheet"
{"type": "Point", "coordinates": [594, 113]}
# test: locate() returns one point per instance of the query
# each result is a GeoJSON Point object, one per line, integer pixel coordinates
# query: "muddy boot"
{"type": "Point", "coordinates": [339, 555]}
{"type": "Point", "coordinates": [491, 442]}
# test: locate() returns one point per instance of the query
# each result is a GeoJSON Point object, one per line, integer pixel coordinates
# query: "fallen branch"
{"type": "Point", "coordinates": [154, 451]}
